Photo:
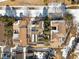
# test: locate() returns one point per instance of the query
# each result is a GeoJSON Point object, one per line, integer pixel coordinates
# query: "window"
{"type": "Point", "coordinates": [34, 29]}
{"type": "Point", "coordinates": [15, 31]}
{"type": "Point", "coordinates": [53, 28]}
{"type": "Point", "coordinates": [31, 8]}
{"type": "Point", "coordinates": [23, 26]}
{"type": "Point", "coordinates": [34, 22]}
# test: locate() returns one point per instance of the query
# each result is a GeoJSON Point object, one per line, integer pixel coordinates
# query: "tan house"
{"type": "Point", "coordinates": [20, 32]}
{"type": "Point", "coordinates": [23, 34]}
{"type": "Point", "coordinates": [29, 31]}
{"type": "Point", "coordinates": [58, 32]}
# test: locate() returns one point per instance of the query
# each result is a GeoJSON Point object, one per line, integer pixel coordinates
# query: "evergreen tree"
{"type": "Point", "coordinates": [8, 21]}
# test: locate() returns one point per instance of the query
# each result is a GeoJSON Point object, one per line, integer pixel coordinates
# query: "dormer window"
{"type": "Point", "coordinates": [53, 28]}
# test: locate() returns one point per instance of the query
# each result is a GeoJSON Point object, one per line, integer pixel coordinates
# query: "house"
{"type": "Point", "coordinates": [57, 23]}
{"type": "Point", "coordinates": [36, 29]}
{"type": "Point", "coordinates": [58, 32]}
{"type": "Point", "coordinates": [23, 34]}
{"type": "Point", "coordinates": [29, 30]}
{"type": "Point", "coordinates": [20, 32]}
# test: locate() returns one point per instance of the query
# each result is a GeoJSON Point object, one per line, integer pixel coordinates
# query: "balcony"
{"type": "Point", "coordinates": [34, 29]}
{"type": "Point", "coordinates": [35, 23]}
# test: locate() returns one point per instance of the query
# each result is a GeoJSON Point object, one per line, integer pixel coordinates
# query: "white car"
{"type": "Point", "coordinates": [71, 42]}
{"type": "Point", "coordinates": [65, 52]}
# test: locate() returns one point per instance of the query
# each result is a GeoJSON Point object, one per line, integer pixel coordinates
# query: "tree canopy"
{"type": "Point", "coordinates": [8, 27]}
